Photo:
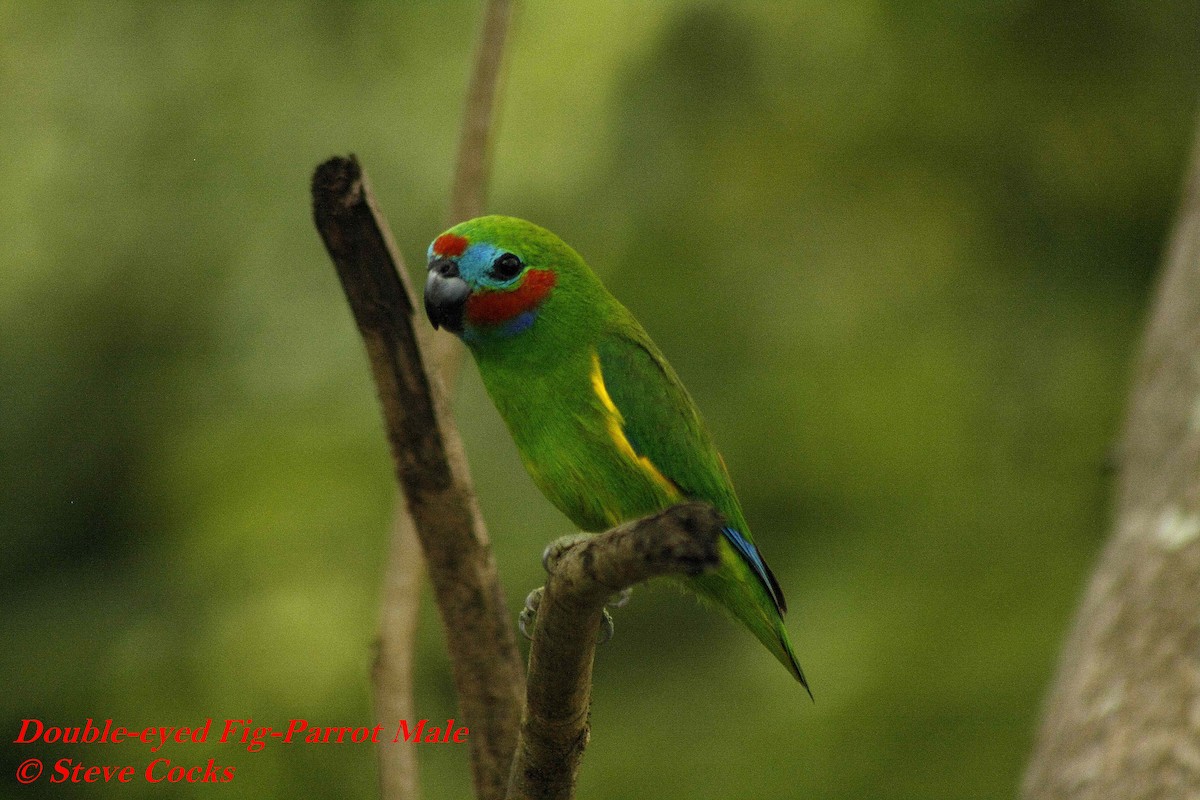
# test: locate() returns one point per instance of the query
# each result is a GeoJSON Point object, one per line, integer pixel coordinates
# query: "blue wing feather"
{"type": "Point", "coordinates": [749, 552]}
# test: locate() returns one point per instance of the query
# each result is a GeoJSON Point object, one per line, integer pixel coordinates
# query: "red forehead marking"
{"type": "Point", "coordinates": [494, 308]}
{"type": "Point", "coordinates": [450, 244]}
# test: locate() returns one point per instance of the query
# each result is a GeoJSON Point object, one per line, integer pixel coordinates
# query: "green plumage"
{"type": "Point", "coordinates": [602, 423]}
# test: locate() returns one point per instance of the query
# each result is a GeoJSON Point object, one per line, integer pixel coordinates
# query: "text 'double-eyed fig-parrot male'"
{"type": "Point", "coordinates": [602, 423]}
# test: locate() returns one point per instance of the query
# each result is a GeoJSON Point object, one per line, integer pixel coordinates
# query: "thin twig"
{"type": "Point", "coordinates": [392, 673]}
{"type": "Point", "coordinates": [473, 167]}
{"type": "Point", "coordinates": [583, 575]}
{"type": "Point", "coordinates": [432, 471]}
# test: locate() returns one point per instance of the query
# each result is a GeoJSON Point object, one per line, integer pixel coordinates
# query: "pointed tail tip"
{"type": "Point", "coordinates": [804, 683]}
{"type": "Point", "coordinates": [789, 660]}
{"type": "Point", "coordinates": [798, 674]}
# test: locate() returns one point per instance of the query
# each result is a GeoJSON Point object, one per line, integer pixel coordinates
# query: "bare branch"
{"type": "Point", "coordinates": [583, 575]}
{"type": "Point", "coordinates": [392, 674]}
{"type": "Point", "coordinates": [1123, 718]}
{"type": "Point", "coordinates": [432, 471]}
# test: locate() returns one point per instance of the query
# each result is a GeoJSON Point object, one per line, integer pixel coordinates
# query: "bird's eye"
{"type": "Point", "coordinates": [507, 267]}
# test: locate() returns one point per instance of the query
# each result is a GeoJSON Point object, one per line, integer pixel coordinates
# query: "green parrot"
{"type": "Point", "coordinates": [602, 422]}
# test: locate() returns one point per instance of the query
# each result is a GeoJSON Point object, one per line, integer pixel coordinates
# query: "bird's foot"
{"type": "Point", "coordinates": [621, 598]}
{"type": "Point", "coordinates": [606, 627]}
{"type": "Point", "coordinates": [562, 544]}
{"type": "Point", "coordinates": [533, 601]}
{"type": "Point", "coordinates": [529, 612]}
{"type": "Point", "coordinates": [618, 600]}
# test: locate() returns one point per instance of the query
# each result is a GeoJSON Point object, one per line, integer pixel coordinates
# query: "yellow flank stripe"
{"type": "Point", "coordinates": [602, 391]}
{"type": "Point", "coordinates": [616, 425]}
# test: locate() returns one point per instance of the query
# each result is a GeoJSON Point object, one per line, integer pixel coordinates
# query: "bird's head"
{"type": "Point", "coordinates": [494, 278]}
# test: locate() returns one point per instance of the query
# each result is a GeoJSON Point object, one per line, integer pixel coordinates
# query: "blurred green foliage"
{"type": "Point", "coordinates": [899, 251]}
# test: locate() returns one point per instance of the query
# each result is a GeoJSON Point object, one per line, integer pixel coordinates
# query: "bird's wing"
{"type": "Point", "coordinates": [663, 427]}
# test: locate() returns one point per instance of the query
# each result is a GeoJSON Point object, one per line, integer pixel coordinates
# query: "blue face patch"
{"type": "Point", "coordinates": [475, 266]}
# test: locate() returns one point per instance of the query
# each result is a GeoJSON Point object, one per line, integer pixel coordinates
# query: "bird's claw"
{"type": "Point", "coordinates": [619, 599]}
{"type": "Point", "coordinates": [559, 546]}
{"type": "Point", "coordinates": [533, 601]}
{"type": "Point", "coordinates": [606, 628]}
{"type": "Point", "coordinates": [529, 613]}
{"type": "Point", "coordinates": [550, 556]}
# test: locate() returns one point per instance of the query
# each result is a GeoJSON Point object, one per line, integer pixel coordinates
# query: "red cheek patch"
{"type": "Point", "coordinates": [496, 308]}
{"type": "Point", "coordinates": [450, 244]}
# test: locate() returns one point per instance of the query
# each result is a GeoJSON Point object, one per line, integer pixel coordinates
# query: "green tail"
{"type": "Point", "coordinates": [735, 588]}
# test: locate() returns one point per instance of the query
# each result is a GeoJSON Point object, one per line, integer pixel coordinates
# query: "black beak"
{"type": "Point", "coordinates": [445, 295]}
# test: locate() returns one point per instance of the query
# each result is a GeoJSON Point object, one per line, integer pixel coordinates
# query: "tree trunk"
{"type": "Point", "coordinates": [1122, 720]}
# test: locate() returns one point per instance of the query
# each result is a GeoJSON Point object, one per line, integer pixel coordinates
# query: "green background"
{"type": "Point", "coordinates": [900, 252]}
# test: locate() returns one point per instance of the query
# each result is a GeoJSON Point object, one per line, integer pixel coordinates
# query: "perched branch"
{"type": "Point", "coordinates": [432, 471]}
{"type": "Point", "coordinates": [583, 575]}
{"type": "Point", "coordinates": [1123, 718]}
